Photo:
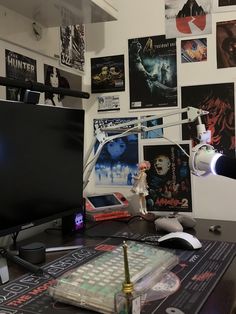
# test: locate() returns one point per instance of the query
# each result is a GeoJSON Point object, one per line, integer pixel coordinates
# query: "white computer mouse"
{"type": "Point", "coordinates": [180, 240]}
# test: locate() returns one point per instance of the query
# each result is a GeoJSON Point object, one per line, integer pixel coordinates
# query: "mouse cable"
{"type": "Point", "coordinates": [39, 271]}
{"type": "Point", "coordinates": [149, 241]}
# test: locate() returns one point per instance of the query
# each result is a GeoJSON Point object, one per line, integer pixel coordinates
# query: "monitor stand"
{"type": "Point", "coordinates": [4, 273]}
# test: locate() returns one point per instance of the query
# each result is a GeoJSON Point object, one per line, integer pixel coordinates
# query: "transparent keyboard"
{"type": "Point", "coordinates": [94, 284]}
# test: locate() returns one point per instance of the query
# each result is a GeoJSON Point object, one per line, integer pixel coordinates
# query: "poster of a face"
{"type": "Point", "coordinates": [194, 50]}
{"type": "Point", "coordinates": [218, 100]}
{"type": "Point", "coordinates": [56, 77]}
{"type": "Point", "coordinates": [107, 74]}
{"type": "Point", "coordinates": [117, 162]}
{"type": "Point", "coordinates": [152, 72]}
{"type": "Point", "coordinates": [187, 18]}
{"type": "Point", "coordinates": [72, 46]}
{"type": "Point", "coordinates": [168, 179]}
{"type": "Point", "coordinates": [21, 68]}
{"type": "Point", "coordinates": [226, 44]}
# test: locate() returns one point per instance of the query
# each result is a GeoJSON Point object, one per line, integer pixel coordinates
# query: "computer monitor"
{"type": "Point", "coordinates": [41, 165]}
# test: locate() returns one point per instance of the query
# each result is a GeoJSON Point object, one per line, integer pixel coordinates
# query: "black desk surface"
{"type": "Point", "coordinates": [223, 298]}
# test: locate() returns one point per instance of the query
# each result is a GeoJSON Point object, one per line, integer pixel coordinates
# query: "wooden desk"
{"type": "Point", "coordinates": [223, 298]}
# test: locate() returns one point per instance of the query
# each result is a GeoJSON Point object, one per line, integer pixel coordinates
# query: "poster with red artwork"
{"type": "Point", "coordinates": [187, 18]}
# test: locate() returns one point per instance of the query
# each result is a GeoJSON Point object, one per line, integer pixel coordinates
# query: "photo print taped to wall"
{"type": "Point", "coordinates": [168, 179]}
{"type": "Point", "coordinates": [218, 100]}
{"type": "Point", "coordinates": [152, 72]}
{"type": "Point", "coordinates": [117, 162]}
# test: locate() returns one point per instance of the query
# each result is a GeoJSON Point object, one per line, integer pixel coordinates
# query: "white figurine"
{"type": "Point", "coordinates": [140, 186]}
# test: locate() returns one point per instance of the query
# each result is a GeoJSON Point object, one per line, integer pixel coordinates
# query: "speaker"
{"type": "Point", "coordinates": [74, 222]}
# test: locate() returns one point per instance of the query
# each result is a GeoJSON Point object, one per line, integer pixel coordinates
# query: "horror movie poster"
{"type": "Point", "coordinates": [108, 74]}
{"type": "Point", "coordinates": [218, 100]}
{"type": "Point", "coordinates": [226, 44]}
{"type": "Point", "coordinates": [21, 68]}
{"type": "Point", "coordinates": [187, 17]}
{"type": "Point", "coordinates": [169, 178]}
{"type": "Point", "coordinates": [152, 72]}
{"type": "Point", "coordinates": [73, 46]}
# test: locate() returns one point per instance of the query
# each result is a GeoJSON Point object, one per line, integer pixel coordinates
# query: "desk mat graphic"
{"type": "Point", "coordinates": [183, 291]}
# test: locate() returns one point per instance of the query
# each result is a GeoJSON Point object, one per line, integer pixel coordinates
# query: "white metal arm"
{"type": "Point", "coordinates": [136, 126]}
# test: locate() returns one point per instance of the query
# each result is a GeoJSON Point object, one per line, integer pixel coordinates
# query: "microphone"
{"type": "Point", "coordinates": [39, 87]}
{"type": "Point", "coordinates": [225, 166]}
{"type": "Point", "coordinates": [204, 160]}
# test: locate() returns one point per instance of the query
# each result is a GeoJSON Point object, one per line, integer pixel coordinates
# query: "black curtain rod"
{"type": "Point", "coordinates": [39, 87]}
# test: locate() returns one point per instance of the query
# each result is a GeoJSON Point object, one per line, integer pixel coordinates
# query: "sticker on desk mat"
{"type": "Point", "coordinates": [197, 274]}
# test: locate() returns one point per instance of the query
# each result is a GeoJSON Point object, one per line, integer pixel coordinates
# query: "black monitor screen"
{"type": "Point", "coordinates": [41, 164]}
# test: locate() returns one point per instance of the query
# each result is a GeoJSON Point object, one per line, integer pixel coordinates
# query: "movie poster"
{"type": "Point", "coordinates": [218, 100]}
{"type": "Point", "coordinates": [152, 72]}
{"type": "Point", "coordinates": [107, 74]}
{"type": "Point", "coordinates": [187, 18]}
{"type": "Point", "coordinates": [226, 44]}
{"type": "Point", "coordinates": [72, 46]}
{"type": "Point", "coordinates": [21, 68]}
{"type": "Point", "coordinates": [56, 77]}
{"type": "Point", "coordinates": [117, 162]}
{"type": "Point", "coordinates": [194, 50]}
{"type": "Point", "coordinates": [168, 179]}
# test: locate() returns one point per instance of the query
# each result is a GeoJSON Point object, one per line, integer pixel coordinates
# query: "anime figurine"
{"type": "Point", "coordinates": [140, 186]}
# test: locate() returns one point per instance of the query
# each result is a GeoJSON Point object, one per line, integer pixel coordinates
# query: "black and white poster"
{"type": "Point", "coordinates": [73, 46]}
{"type": "Point", "coordinates": [21, 68]}
{"type": "Point", "coordinates": [152, 72]}
{"type": "Point", "coordinates": [56, 77]}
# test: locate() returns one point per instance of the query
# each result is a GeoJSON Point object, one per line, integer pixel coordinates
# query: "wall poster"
{"type": "Point", "coordinates": [107, 74]}
{"type": "Point", "coordinates": [56, 77]}
{"type": "Point", "coordinates": [194, 50]}
{"type": "Point", "coordinates": [187, 18]}
{"type": "Point", "coordinates": [226, 44]}
{"type": "Point", "coordinates": [169, 178]}
{"type": "Point", "coordinates": [117, 162]}
{"type": "Point", "coordinates": [72, 46]}
{"type": "Point", "coordinates": [21, 68]}
{"type": "Point", "coordinates": [152, 72]}
{"type": "Point", "coordinates": [218, 99]}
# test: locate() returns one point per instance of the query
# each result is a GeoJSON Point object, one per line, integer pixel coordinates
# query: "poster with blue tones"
{"type": "Point", "coordinates": [117, 162]}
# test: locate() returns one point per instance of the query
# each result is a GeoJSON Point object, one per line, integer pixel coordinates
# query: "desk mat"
{"type": "Point", "coordinates": [183, 291]}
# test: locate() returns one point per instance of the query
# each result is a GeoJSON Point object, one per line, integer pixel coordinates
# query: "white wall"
{"type": "Point", "coordinates": [213, 197]}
